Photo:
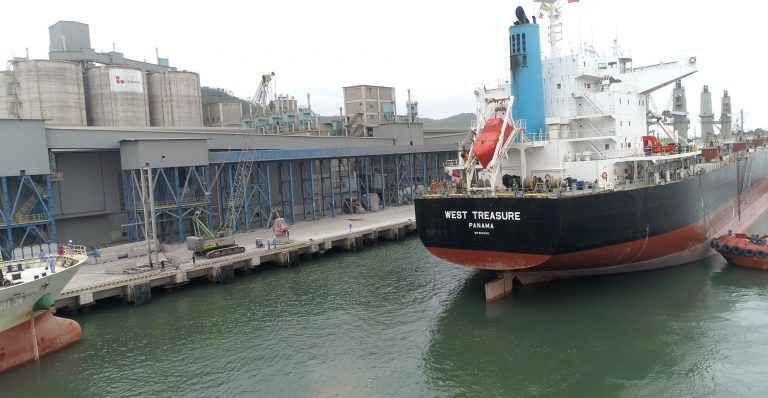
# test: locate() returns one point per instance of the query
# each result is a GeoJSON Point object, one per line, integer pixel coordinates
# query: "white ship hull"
{"type": "Point", "coordinates": [17, 301]}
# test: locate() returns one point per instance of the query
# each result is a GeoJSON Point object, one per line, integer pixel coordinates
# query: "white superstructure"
{"type": "Point", "coordinates": [597, 114]}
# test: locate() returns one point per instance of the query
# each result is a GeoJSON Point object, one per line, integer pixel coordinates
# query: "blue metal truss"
{"type": "Point", "coordinates": [285, 189]}
{"type": "Point", "coordinates": [307, 187]}
{"type": "Point", "coordinates": [178, 193]}
{"type": "Point", "coordinates": [308, 192]}
{"type": "Point", "coordinates": [26, 212]}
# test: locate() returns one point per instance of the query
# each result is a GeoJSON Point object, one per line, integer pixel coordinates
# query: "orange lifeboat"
{"type": "Point", "coordinates": [652, 144]}
{"type": "Point", "coordinates": [743, 250]}
{"type": "Point", "coordinates": [485, 143]}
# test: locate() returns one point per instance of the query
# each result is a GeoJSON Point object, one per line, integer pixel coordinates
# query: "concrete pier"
{"type": "Point", "coordinates": [122, 271]}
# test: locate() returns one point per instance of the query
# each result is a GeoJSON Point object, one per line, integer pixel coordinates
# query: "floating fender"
{"type": "Point", "coordinates": [760, 254]}
{"type": "Point", "coordinates": [749, 252]}
{"type": "Point", "coordinates": [737, 250]}
{"type": "Point", "coordinates": [725, 248]}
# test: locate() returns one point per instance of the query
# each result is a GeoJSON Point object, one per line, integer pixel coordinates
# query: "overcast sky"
{"type": "Point", "coordinates": [440, 50]}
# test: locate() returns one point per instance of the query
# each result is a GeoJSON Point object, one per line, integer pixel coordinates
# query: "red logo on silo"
{"type": "Point", "coordinates": [118, 80]}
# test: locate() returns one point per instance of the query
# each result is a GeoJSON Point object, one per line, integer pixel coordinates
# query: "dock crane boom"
{"type": "Point", "coordinates": [220, 242]}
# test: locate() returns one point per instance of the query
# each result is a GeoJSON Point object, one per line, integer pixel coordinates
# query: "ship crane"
{"type": "Point", "coordinates": [220, 242]}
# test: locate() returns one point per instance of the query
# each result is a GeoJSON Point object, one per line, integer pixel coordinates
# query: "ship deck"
{"type": "Point", "coordinates": [589, 188]}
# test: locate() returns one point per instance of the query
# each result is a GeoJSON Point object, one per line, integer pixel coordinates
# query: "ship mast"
{"type": "Point", "coordinates": [553, 8]}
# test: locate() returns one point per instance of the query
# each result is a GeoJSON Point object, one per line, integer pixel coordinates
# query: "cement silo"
{"type": "Point", "coordinates": [116, 96]}
{"type": "Point", "coordinates": [175, 99]}
{"type": "Point", "coordinates": [43, 89]}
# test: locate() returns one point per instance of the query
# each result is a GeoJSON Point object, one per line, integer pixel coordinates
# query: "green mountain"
{"type": "Point", "coordinates": [460, 121]}
{"type": "Point", "coordinates": [215, 94]}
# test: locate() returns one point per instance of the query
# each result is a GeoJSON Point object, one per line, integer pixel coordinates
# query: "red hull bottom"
{"type": "Point", "coordinates": [748, 262]}
{"type": "Point", "coordinates": [17, 344]}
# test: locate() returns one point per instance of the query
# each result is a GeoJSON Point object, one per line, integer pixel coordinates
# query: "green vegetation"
{"type": "Point", "coordinates": [215, 94]}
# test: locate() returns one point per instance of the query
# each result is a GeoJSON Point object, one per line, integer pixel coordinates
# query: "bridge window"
{"type": "Point", "coordinates": [558, 86]}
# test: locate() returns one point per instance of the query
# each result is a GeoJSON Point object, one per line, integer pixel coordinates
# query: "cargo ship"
{"type": "Point", "coordinates": [569, 172]}
{"type": "Point", "coordinates": [28, 290]}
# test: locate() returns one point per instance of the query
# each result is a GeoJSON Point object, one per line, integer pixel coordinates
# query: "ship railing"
{"type": "Point", "coordinates": [535, 136]}
{"type": "Point", "coordinates": [592, 110]}
{"type": "Point", "coordinates": [590, 106]}
{"type": "Point", "coordinates": [588, 133]}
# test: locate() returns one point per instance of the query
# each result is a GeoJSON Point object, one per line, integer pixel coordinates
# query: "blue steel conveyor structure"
{"type": "Point", "coordinates": [305, 184]}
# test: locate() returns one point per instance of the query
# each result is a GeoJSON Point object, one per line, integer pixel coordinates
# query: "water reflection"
{"type": "Point", "coordinates": [583, 337]}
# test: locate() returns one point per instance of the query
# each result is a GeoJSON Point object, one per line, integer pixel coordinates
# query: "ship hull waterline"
{"type": "Point", "coordinates": [29, 341]}
{"type": "Point", "coordinates": [536, 240]}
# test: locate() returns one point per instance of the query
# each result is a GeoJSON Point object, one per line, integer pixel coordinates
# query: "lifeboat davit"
{"type": "Point", "coordinates": [485, 143]}
{"type": "Point", "coordinates": [743, 250]}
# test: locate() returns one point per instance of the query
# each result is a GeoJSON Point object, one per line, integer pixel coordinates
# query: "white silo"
{"type": "Point", "coordinates": [116, 96]}
{"type": "Point", "coordinates": [175, 99]}
{"type": "Point", "coordinates": [44, 89]}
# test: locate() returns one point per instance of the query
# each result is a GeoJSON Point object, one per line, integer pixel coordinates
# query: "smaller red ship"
{"type": "Point", "coordinates": [743, 250]}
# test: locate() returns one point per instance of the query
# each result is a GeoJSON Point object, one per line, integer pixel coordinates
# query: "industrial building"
{"type": "Point", "coordinates": [367, 107]}
{"type": "Point", "coordinates": [93, 141]}
{"type": "Point", "coordinates": [223, 114]}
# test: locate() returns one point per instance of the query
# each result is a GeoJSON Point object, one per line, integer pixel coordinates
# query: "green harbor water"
{"type": "Point", "coordinates": [392, 321]}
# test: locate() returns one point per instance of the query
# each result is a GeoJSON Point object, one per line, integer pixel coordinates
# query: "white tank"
{"type": "Point", "coordinates": [43, 89]}
{"type": "Point", "coordinates": [116, 96]}
{"type": "Point", "coordinates": [175, 99]}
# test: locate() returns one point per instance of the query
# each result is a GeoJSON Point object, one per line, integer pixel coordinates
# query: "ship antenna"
{"type": "Point", "coordinates": [554, 9]}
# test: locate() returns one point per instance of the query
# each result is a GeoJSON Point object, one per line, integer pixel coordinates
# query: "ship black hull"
{"type": "Point", "coordinates": [616, 231]}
